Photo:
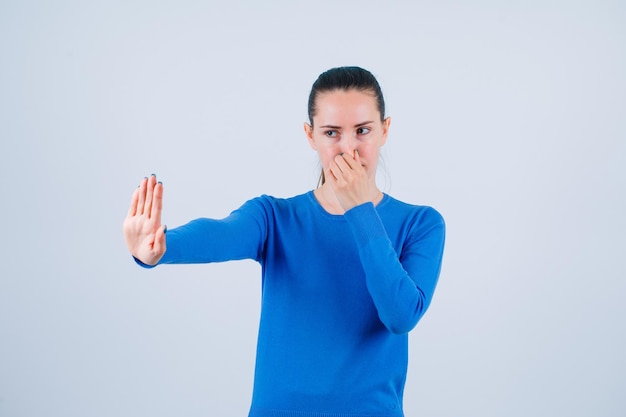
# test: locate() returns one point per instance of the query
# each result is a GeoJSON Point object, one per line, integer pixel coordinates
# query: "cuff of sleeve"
{"type": "Point", "coordinates": [365, 223]}
{"type": "Point", "coordinates": [141, 264]}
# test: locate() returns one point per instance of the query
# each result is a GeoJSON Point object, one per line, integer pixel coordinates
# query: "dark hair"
{"type": "Point", "coordinates": [346, 78]}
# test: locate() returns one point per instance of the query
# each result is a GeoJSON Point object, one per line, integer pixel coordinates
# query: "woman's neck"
{"type": "Point", "coordinates": [327, 198]}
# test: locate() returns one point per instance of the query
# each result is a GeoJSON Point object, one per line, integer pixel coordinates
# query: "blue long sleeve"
{"type": "Point", "coordinates": [401, 285]}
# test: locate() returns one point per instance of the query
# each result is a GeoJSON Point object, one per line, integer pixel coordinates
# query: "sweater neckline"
{"type": "Point", "coordinates": [318, 206]}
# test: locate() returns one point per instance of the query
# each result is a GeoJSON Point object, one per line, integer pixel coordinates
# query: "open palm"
{"type": "Point", "coordinates": [143, 232]}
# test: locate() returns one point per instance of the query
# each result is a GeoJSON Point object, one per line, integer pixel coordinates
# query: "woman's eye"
{"type": "Point", "coordinates": [363, 130]}
{"type": "Point", "coordinates": [331, 133]}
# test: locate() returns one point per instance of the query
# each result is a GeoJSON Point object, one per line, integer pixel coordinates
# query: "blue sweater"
{"type": "Point", "coordinates": [339, 295]}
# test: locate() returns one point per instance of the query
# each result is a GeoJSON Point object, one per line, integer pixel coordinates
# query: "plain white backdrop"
{"type": "Point", "coordinates": [509, 117]}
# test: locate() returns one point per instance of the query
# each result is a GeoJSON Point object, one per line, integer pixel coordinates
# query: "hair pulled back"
{"type": "Point", "coordinates": [346, 78]}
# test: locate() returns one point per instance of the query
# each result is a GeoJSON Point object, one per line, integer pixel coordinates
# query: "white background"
{"type": "Point", "coordinates": [508, 117]}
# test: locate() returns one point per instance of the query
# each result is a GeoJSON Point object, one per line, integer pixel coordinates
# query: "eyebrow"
{"type": "Point", "coordinates": [339, 127]}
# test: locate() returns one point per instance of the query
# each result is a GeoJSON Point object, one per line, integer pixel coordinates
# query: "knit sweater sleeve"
{"type": "Point", "coordinates": [241, 235]}
{"type": "Point", "coordinates": [400, 284]}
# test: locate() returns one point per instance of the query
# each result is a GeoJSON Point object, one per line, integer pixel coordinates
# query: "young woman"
{"type": "Point", "coordinates": [347, 271]}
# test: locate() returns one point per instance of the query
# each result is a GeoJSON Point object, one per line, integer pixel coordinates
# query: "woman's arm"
{"type": "Point", "coordinates": [241, 235]}
{"type": "Point", "coordinates": [401, 285]}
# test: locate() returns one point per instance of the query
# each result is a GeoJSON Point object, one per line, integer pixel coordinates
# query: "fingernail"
{"type": "Point", "coordinates": [160, 182]}
{"type": "Point", "coordinates": [153, 175]}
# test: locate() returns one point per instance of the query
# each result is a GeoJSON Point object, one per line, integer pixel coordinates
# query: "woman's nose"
{"type": "Point", "coordinates": [348, 145]}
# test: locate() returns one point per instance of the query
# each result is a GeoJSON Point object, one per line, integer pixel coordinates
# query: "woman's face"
{"type": "Point", "coordinates": [345, 121]}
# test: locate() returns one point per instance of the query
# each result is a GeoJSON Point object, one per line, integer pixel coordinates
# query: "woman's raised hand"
{"type": "Point", "coordinates": [349, 181]}
{"type": "Point", "coordinates": [143, 232]}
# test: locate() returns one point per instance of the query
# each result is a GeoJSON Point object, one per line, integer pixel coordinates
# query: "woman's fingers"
{"type": "Point", "coordinates": [147, 210]}
{"type": "Point", "coordinates": [133, 203]}
{"type": "Point", "coordinates": [145, 196]}
{"type": "Point", "coordinates": [339, 167]}
{"type": "Point", "coordinates": [348, 178]}
{"type": "Point", "coordinates": [357, 158]}
{"type": "Point", "coordinates": [143, 232]}
{"type": "Point", "coordinates": [345, 166]}
{"type": "Point", "coordinates": [142, 196]}
{"type": "Point", "coordinates": [157, 202]}
{"type": "Point", "coordinates": [354, 161]}
{"type": "Point", "coordinates": [159, 242]}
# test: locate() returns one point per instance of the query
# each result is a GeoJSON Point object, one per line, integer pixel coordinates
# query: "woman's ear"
{"type": "Point", "coordinates": [386, 124]}
{"type": "Point", "coordinates": [308, 130]}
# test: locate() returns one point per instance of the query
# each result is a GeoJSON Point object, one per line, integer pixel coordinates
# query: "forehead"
{"type": "Point", "coordinates": [346, 105]}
